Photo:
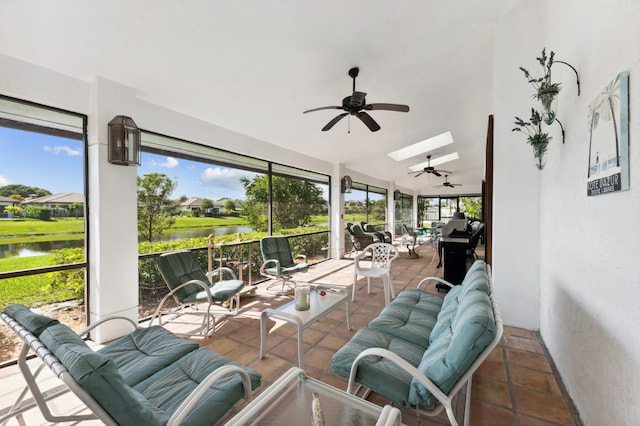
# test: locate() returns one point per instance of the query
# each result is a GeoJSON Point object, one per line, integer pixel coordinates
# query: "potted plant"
{"type": "Point", "coordinates": [535, 136]}
{"type": "Point", "coordinates": [546, 90]}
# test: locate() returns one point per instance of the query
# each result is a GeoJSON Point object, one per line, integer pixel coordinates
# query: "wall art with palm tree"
{"type": "Point", "coordinates": [608, 121]}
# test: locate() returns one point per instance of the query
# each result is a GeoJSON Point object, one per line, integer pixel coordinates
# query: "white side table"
{"type": "Point", "coordinates": [320, 305]}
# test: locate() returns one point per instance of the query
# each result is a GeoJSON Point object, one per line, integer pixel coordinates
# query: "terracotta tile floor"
{"type": "Point", "coordinates": [515, 386]}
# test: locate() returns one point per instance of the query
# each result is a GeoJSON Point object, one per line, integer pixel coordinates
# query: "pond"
{"type": "Point", "coordinates": [45, 247]}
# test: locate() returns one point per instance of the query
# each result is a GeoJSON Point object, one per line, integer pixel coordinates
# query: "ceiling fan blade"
{"type": "Point", "coordinates": [368, 121]}
{"type": "Point", "coordinates": [334, 121]}
{"type": "Point", "coordinates": [321, 108]}
{"type": "Point", "coordinates": [388, 107]}
{"type": "Point", "coordinates": [435, 172]}
{"type": "Point", "coordinates": [419, 174]}
{"type": "Point", "coordinates": [444, 171]}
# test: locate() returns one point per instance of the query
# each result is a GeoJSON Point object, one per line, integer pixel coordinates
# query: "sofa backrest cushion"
{"type": "Point", "coordinates": [34, 323]}
{"type": "Point", "coordinates": [476, 278]}
{"type": "Point", "coordinates": [99, 376]}
{"type": "Point", "coordinates": [451, 354]}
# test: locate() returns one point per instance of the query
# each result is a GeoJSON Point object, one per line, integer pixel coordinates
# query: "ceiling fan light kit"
{"type": "Point", "coordinates": [546, 93]}
{"type": "Point", "coordinates": [356, 105]}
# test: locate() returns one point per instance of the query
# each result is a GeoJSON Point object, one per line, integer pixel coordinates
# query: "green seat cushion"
{"type": "Point", "coordinates": [379, 374]}
{"type": "Point", "coordinates": [168, 388]}
{"type": "Point", "coordinates": [220, 291]}
{"type": "Point", "coordinates": [146, 351]}
{"type": "Point", "coordinates": [451, 354]}
{"type": "Point", "coordinates": [99, 376]}
{"type": "Point", "coordinates": [34, 323]}
{"type": "Point", "coordinates": [403, 322]}
{"type": "Point", "coordinates": [296, 267]}
{"type": "Point", "coordinates": [425, 302]}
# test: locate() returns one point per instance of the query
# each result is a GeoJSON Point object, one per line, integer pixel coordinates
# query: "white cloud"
{"type": "Point", "coordinates": [170, 163]}
{"type": "Point", "coordinates": [66, 149]}
{"type": "Point", "coordinates": [4, 181]}
{"type": "Point", "coordinates": [224, 178]}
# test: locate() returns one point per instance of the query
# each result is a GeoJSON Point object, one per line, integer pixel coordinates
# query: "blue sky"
{"type": "Point", "coordinates": [196, 179]}
{"type": "Point", "coordinates": [47, 162]}
{"type": "Point", "coordinates": [56, 164]}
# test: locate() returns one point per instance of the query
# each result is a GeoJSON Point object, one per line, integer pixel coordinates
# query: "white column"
{"type": "Point", "coordinates": [113, 252]}
{"type": "Point", "coordinates": [337, 212]}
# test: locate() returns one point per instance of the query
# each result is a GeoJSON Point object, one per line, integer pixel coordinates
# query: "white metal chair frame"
{"type": "Point", "coordinates": [382, 254]}
{"type": "Point", "coordinates": [32, 343]}
{"type": "Point", "coordinates": [445, 399]}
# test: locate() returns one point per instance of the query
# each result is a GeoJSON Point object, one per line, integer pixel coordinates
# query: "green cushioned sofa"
{"type": "Point", "coordinates": [147, 377]}
{"type": "Point", "coordinates": [422, 348]}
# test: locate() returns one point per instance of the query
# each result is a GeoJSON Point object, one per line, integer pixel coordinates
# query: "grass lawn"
{"type": "Point", "coordinates": [31, 290]}
{"type": "Point", "coordinates": [22, 227]}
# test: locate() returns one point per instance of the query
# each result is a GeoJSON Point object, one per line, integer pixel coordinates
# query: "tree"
{"type": "Point", "coordinates": [76, 208]}
{"type": "Point", "coordinates": [206, 205]}
{"type": "Point", "coordinates": [23, 190]}
{"type": "Point", "coordinates": [229, 206]}
{"type": "Point", "coordinates": [294, 201]}
{"type": "Point", "coordinates": [16, 210]}
{"type": "Point", "coordinates": [155, 207]}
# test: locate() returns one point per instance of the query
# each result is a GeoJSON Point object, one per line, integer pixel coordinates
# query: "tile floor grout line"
{"type": "Point", "coordinates": [512, 395]}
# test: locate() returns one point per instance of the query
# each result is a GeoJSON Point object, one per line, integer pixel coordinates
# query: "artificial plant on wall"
{"type": "Point", "coordinates": [546, 93]}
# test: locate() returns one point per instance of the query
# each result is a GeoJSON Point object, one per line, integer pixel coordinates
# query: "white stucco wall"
{"type": "Point", "coordinates": [589, 279]}
{"type": "Point", "coordinates": [583, 264]}
{"type": "Point", "coordinates": [516, 221]}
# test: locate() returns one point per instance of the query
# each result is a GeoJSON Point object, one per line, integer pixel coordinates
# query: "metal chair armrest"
{"type": "Point", "coordinates": [194, 397]}
{"type": "Point", "coordinates": [222, 269]}
{"type": "Point", "coordinates": [264, 266]}
{"type": "Point", "coordinates": [440, 280]}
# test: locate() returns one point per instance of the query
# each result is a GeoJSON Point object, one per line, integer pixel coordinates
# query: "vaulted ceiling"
{"type": "Point", "coordinates": [254, 66]}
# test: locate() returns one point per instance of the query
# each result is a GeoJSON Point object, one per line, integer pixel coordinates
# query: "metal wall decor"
{"type": "Point", "coordinates": [547, 94]}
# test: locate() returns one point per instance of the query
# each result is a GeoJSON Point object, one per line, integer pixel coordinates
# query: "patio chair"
{"type": "Point", "coordinates": [279, 263]}
{"type": "Point", "coordinates": [189, 285]}
{"type": "Point", "coordinates": [382, 254]}
{"type": "Point", "coordinates": [383, 236]}
{"type": "Point", "coordinates": [409, 240]}
{"type": "Point", "coordinates": [359, 240]}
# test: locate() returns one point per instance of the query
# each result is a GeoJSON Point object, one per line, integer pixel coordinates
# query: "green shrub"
{"type": "Point", "coordinates": [36, 212]}
{"type": "Point", "coordinates": [71, 280]}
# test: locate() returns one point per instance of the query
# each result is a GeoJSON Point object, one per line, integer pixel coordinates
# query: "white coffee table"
{"type": "Point", "coordinates": [288, 401]}
{"type": "Point", "coordinates": [320, 305]}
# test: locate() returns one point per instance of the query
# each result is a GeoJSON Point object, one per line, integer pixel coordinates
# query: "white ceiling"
{"type": "Point", "coordinates": [253, 66]}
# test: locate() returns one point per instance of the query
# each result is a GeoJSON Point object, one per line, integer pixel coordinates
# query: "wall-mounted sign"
{"type": "Point", "coordinates": [608, 121]}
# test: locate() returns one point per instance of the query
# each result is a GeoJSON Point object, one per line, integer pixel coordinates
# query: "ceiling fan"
{"type": "Point", "coordinates": [447, 183]}
{"type": "Point", "coordinates": [356, 104]}
{"type": "Point", "coordinates": [429, 169]}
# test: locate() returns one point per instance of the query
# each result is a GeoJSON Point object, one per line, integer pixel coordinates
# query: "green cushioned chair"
{"type": "Point", "coordinates": [190, 285]}
{"type": "Point", "coordinates": [279, 263]}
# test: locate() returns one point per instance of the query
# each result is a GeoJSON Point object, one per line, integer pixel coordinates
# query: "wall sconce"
{"type": "Point", "coordinates": [346, 184]}
{"type": "Point", "coordinates": [124, 141]}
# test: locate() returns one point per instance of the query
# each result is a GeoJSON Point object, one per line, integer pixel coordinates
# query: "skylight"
{"type": "Point", "coordinates": [422, 147]}
{"type": "Point", "coordinates": [435, 162]}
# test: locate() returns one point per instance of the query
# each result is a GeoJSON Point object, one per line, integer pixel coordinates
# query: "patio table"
{"type": "Point", "coordinates": [323, 299]}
